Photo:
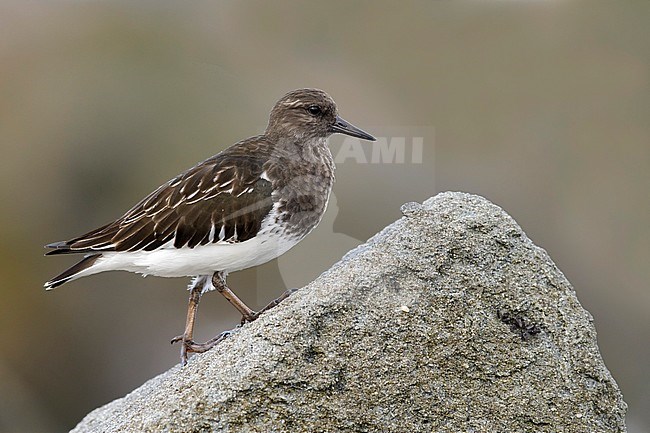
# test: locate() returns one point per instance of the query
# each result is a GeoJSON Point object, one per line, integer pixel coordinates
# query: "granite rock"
{"type": "Point", "coordinates": [448, 320]}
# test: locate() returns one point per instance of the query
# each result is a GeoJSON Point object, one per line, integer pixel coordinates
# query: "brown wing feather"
{"type": "Point", "coordinates": [222, 195]}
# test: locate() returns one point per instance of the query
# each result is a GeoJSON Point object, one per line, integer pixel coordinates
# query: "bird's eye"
{"type": "Point", "coordinates": [314, 110]}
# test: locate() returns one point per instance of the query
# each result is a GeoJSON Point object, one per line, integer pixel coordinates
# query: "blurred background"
{"type": "Point", "coordinates": [543, 107]}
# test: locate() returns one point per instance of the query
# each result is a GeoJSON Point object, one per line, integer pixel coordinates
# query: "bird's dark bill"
{"type": "Point", "coordinates": [344, 127]}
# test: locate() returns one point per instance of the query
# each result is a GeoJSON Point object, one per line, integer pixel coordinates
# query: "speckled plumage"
{"type": "Point", "coordinates": [272, 188]}
{"type": "Point", "coordinates": [240, 208]}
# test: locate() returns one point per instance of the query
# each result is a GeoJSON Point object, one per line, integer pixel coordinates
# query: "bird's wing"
{"type": "Point", "coordinates": [223, 199]}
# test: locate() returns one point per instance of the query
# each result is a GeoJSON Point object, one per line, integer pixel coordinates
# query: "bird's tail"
{"type": "Point", "coordinates": [73, 272]}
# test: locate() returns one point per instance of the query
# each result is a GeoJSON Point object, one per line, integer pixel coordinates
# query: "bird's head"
{"type": "Point", "coordinates": [305, 114]}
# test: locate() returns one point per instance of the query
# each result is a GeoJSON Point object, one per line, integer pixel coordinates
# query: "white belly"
{"type": "Point", "coordinates": [200, 260]}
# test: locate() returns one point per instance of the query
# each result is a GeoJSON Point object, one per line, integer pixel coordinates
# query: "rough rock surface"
{"type": "Point", "coordinates": [449, 320]}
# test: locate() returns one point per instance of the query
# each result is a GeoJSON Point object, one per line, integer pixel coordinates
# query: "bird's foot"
{"type": "Point", "coordinates": [274, 303]}
{"type": "Point", "coordinates": [189, 346]}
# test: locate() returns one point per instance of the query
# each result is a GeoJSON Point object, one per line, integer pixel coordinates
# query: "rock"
{"type": "Point", "coordinates": [448, 320]}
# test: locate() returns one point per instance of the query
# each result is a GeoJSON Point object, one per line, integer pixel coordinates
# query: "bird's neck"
{"type": "Point", "coordinates": [302, 151]}
{"type": "Point", "coordinates": [310, 156]}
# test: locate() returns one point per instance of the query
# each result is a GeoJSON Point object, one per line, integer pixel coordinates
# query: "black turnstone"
{"type": "Point", "coordinates": [240, 208]}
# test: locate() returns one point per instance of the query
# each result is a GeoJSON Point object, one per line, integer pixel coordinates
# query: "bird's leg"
{"type": "Point", "coordinates": [188, 345]}
{"type": "Point", "coordinates": [248, 315]}
{"type": "Point", "coordinates": [219, 283]}
{"type": "Point", "coordinates": [192, 308]}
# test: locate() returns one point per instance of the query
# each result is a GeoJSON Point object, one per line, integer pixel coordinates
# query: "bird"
{"type": "Point", "coordinates": [238, 209]}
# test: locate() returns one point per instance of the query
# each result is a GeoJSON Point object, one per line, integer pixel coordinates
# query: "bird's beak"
{"type": "Point", "coordinates": [344, 127]}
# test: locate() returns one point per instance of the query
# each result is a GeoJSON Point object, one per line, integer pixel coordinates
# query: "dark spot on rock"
{"type": "Point", "coordinates": [310, 354]}
{"type": "Point", "coordinates": [519, 324]}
